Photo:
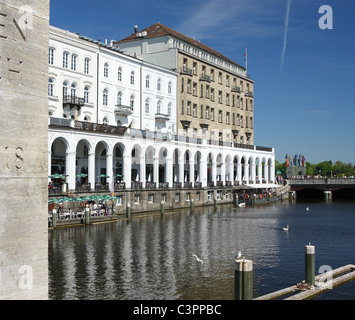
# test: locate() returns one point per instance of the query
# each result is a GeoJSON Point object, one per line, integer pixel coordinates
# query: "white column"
{"type": "Point", "coordinates": [156, 170]}
{"type": "Point", "coordinates": [169, 172]}
{"type": "Point", "coordinates": [192, 170]}
{"type": "Point", "coordinates": [109, 170]}
{"type": "Point", "coordinates": [272, 172]}
{"type": "Point", "coordinates": [223, 173]}
{"type": "Point", "coordinates": [203, 173]}
{"type": "Point", "coordinates": [214, 172]}
{"type": "Point", "coordinates": [260, 172]}
{"type": "Point", "coordinates": [181, 170]}
{"type": "Point", "coordinates": [142, 170]}
{"type": "Point", "coordinates": [231, 172]}
{"type": "Point", "coordinates": [239, 172]}
{"type": "Point", "coordinates": [266, 172]}
{"type": "Point", "coordinates": [70, 169]}
{"type": "Point", "coordinates": [127, 169]}
{"type": "Point", "coordinates": [246, 172]}
{"type": "Point", "coordinates": [91, 170]}
{"type": "Point", "coordinates": [252, 173]}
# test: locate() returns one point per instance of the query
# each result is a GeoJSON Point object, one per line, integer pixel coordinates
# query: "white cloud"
{"type": "Point", "coordinates": [287, 17]}
{"type": "Point", "coordinates": [231, 19]}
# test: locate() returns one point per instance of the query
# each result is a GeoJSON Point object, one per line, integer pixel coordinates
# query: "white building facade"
{"type": "Point", "coordinates": [112, 125]}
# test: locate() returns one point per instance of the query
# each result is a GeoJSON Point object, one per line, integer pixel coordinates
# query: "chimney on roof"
{"type": "Point", "coordinates": [135, 29]}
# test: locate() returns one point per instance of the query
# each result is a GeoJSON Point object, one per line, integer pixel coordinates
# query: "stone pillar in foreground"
{"type": "Point", "coordinates": [24, 40]}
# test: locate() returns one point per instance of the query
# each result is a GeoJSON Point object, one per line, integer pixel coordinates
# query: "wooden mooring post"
{"type": "Point", "coordinates": [313, 285]}
{"type": "Point", "coordinates": [243, 279]}
{"type": "Point", "coordinates": [310, 264]}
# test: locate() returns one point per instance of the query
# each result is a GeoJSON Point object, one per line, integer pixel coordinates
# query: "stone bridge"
{"type": "Point", "coordinates": [327, 185]}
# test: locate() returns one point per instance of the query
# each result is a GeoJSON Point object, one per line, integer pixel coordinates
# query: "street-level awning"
{"type": "Point", "coordinates": [263, 185]}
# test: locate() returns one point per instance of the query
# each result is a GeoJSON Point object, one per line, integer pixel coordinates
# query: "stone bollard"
{"type": "Point", "coordinates": [87, 215]}
{"type": "Point", "coordinates": [243, 279]}
{"type": "Point", "coordinates": [54, 218]}
{"type": "Point", "coordinates": [310, 264]}
{"type": "Point", "coordinates": [162, 208]}
{"type": "Point", "coordinates": [128, 211]}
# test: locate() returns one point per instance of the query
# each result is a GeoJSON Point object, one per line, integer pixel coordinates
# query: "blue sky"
{"type": "Point", "coordinates": [304, 76]}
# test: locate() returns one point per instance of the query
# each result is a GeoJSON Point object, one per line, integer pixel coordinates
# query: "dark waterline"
{"type": "Point", "coordinates": [151, 258]}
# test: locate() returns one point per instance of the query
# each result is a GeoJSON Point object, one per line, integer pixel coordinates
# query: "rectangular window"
{"type": "Point", "coordinates": [65, 60]}
{"type": "Point", "coordinates": [219, 96]}
{"type": "Point", "coordinates": [209, 195]}
{"type": "Point", "coordinates": [177, 197]}
{"type": "Point", "coordinates": [87, 66]}
{"type": "Point", "coordinates": [73, 62]}
{"type": "Point", "coordinates": [136, 199]}
{"type": "Point", "coordinates": [150, 198]}
{"type": "Point", "coordinates": [51, 56]}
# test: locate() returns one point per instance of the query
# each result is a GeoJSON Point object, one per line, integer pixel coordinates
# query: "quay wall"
{"type": "Point", "coordinates": [149, 202]}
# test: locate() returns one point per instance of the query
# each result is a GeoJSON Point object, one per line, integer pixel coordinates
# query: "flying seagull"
{"type": "Point", "coordinates": [197, 258]}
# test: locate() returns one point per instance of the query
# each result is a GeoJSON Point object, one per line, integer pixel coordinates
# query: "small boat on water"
{"type": "Point", "coordinates": [251, 198]}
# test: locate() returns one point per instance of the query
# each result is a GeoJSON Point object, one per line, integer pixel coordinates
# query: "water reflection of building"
{"type": "Point", "coordinates": [151, 258]}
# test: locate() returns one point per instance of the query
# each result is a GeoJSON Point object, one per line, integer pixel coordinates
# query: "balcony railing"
{"type": "Point", "coordinates": [119, 186]}
{"type": "Point", "coordinates": [86, 187]}
{"type": "Point", "coordinates": [185, 70]}
{"type": "Point", "coordinates": [204, 77]}
{"type": "Point", "coordinates": [145, 134]}
{"type": "Point", "coordinates": [137, 185]}
{"type": "Point", "coordinates": [236, 89]}
{"type": "Point", "coordinates": [163, 185]}
{"type": "Point", "coordinates": [123, 110]}
{"type": "Point", "coordinates": [151, 185]}
{"type": "Point", "coordinates": [188, 185]}
{"type": "Point", "coordinates": [249, 94]}
{"type": "Point", "coordinates": [161, 117]}
{"type": "Point", "coordinates": [102, 187]}
{"type": "Point", "coordinates": [177, 185]}
{"type": "Point", "coordinates": [73, 100]}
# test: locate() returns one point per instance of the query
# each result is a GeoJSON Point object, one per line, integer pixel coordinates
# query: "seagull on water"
{"type": "Point", "coordinates": [307, 209]}
{"type": "Point", "coordinates": [198, 259]}
{"type": "Point", "coordinates": [286, 229]}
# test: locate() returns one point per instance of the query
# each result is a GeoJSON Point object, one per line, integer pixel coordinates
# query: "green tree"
{"type": "Point", "coordinates": [310, 169]}
{"type": "Point", "coordinates": [324, 168]}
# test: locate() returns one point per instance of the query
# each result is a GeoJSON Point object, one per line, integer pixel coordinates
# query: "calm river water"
{"type": "Point", "coordinates": [152, 258]}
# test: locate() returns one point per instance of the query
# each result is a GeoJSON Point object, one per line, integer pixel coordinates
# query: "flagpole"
{"type": "Point", "coordinates": [246, 60]}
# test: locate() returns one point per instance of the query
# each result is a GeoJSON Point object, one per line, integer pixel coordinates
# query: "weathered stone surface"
{"type": "Point", "coordinates": [23, 149]}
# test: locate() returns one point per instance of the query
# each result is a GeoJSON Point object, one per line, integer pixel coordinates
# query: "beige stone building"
{"type": "Point", "coordinates": [215, 95]}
